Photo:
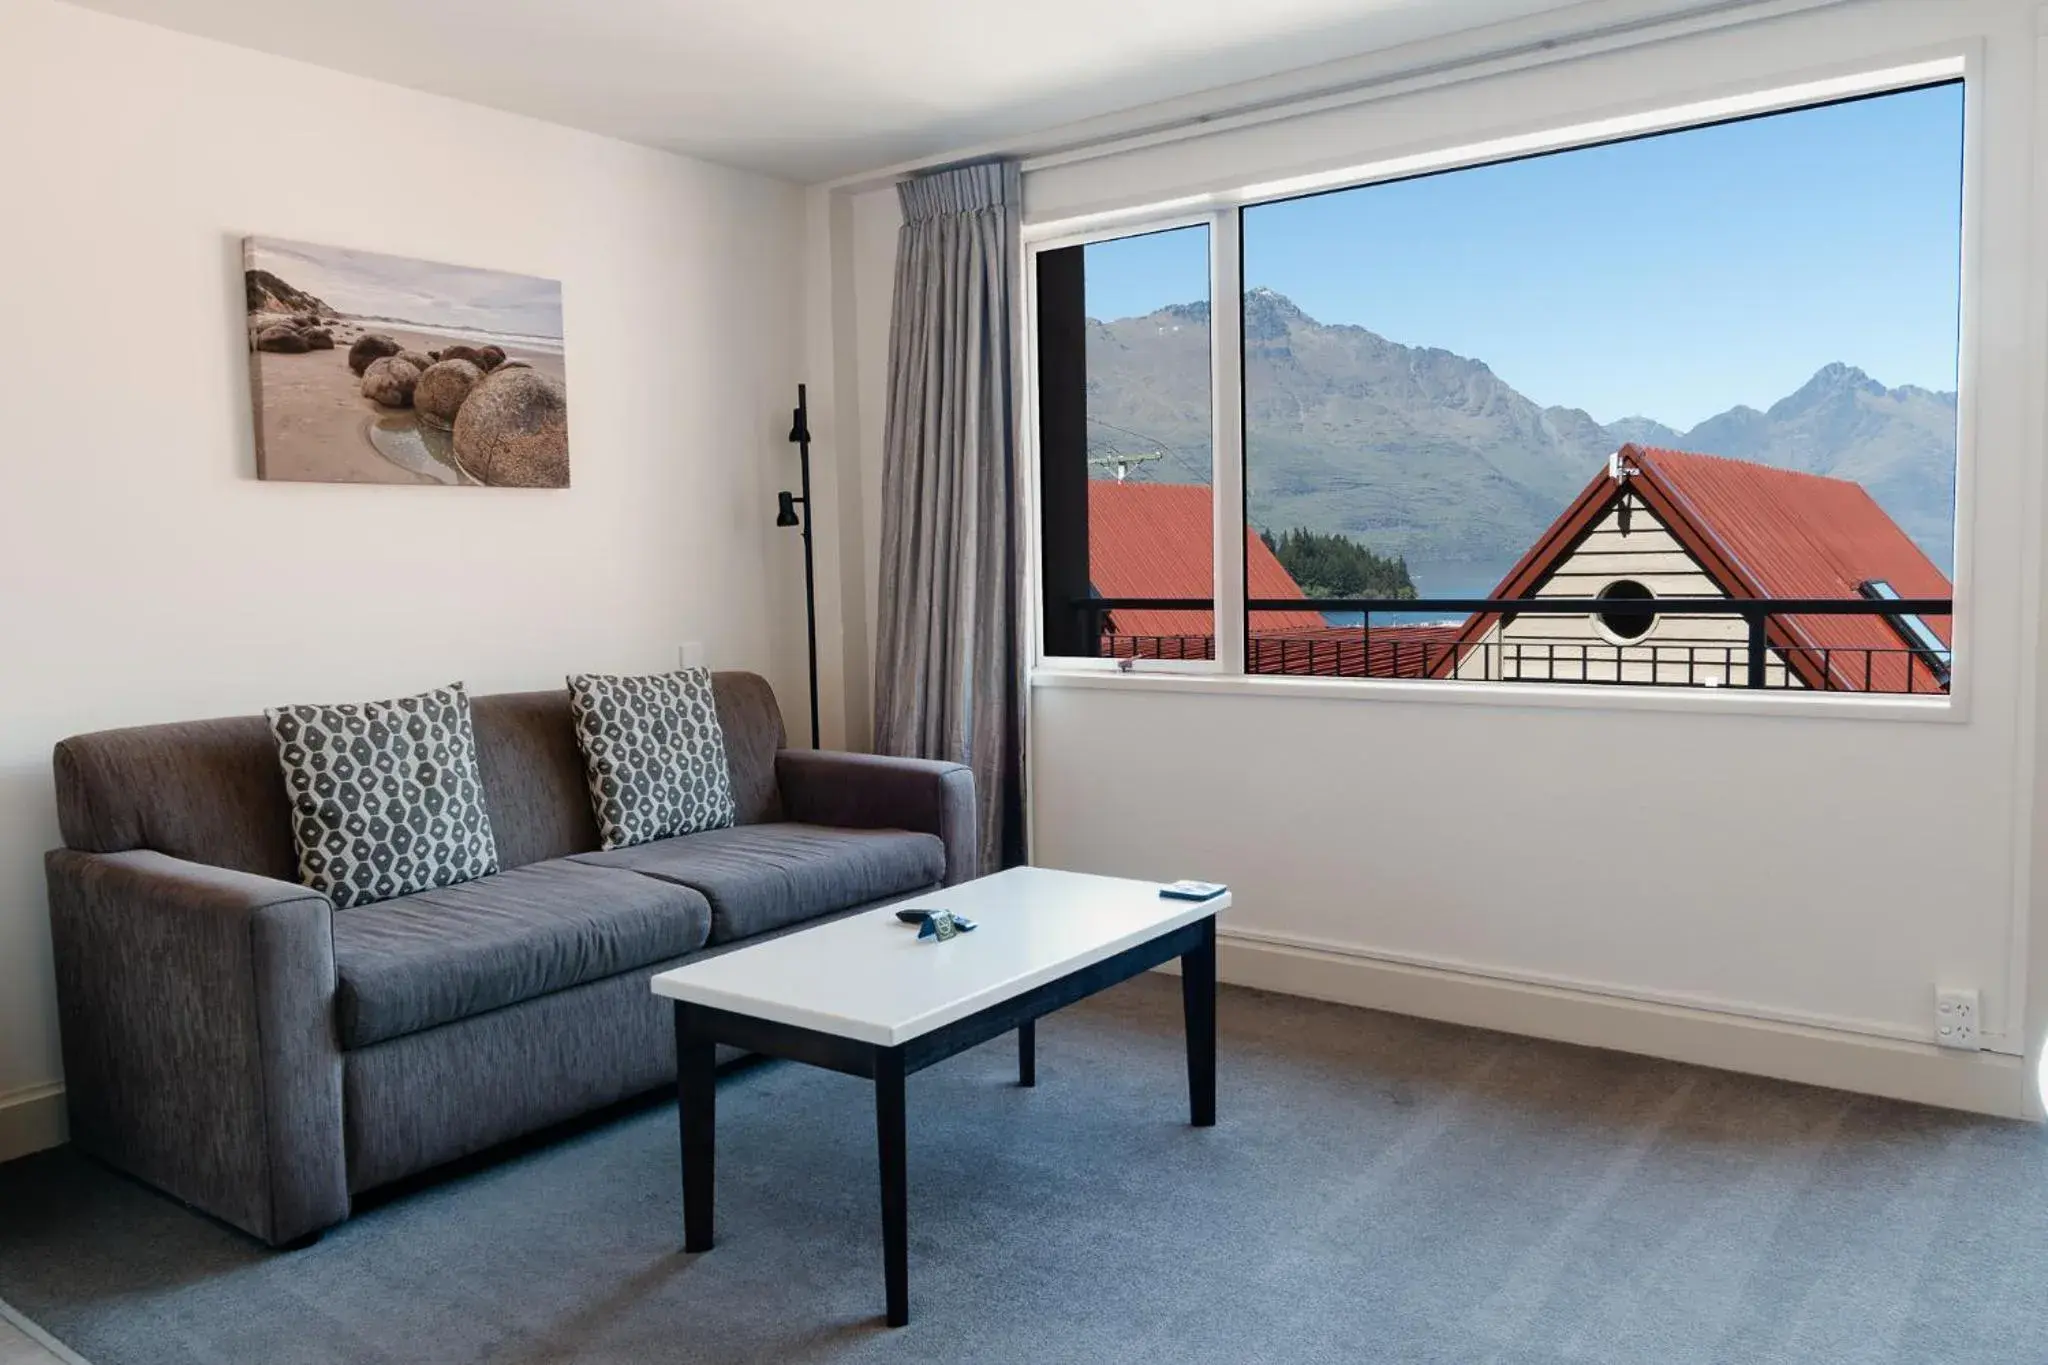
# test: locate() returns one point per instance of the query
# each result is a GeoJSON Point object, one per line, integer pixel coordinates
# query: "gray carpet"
{"type": "Point", "coordinates": [1379, 1189]}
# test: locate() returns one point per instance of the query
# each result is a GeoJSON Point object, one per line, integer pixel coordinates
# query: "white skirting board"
{"type": "Point", "coordinates": [1982, 1082]}
{"type": "Point", "coordinates": [31, 1120]}
{"type": "Point", "coordinates": [56, 1349]}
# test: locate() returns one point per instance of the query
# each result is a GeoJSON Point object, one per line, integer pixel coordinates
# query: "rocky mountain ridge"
{"type": "Point", "coordinates": [1422, 452]}
{"type": "Point", "coordinates": [269, 293]}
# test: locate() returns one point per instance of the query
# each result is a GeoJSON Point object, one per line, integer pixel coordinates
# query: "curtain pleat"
{"type": "Point", "coordinates": [948, 661]}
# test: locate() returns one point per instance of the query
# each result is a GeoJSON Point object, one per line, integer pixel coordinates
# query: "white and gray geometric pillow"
{"type": "Point", "coordinates": [655, 755]}
{"type": "Point", "coordinates": [387, 798]}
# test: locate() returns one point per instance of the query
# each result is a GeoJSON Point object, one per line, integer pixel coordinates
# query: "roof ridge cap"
{"type": "Point", "coordinates": [1705, 456]}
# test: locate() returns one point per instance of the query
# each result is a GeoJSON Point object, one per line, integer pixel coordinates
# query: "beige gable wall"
{"type": "Point", "coordinates": [1681, 648]}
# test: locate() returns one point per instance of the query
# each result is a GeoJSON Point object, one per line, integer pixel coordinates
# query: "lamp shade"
{"type": "Point", "coordinates": [785, 509]}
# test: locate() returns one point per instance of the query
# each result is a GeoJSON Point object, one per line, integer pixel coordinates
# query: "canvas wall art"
{"type": "Point", "coordinates": [367, 368]}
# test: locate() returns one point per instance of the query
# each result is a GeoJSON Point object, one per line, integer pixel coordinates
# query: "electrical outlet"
{"type": "Point", "coordinates": [690, 654]}
{"type": "Point", "coordinates": [1955, 1019]}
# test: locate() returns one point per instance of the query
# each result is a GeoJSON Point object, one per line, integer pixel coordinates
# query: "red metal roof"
{"type": "Point", "coordinates": [1765, 532]}
{"type": "Point", "coordinates": [1153, 539]}
{"type": "Point", "coordinates": [1324, 651]}
{"type": "Point", "coordinates": [1340, 651]}
{"type": "Point", "coordinates": [1788, 534]}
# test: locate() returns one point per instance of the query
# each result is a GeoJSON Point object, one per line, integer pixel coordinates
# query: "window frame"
{"type": "Point", "coordinates": [1616, 637]}
{"type": "Point", "coordinates": [1222, 209]}
{"type": "Point", "coordinates": [1227, 503]}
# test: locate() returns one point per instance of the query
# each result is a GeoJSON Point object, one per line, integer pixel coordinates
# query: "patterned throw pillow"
{"type": "Point", "coordinates": [655, 754]}
{"type": "Point", "coordinates": [386, 796]}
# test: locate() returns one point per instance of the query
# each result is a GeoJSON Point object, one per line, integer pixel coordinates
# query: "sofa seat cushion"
{"type": "Point", "coordinates": [417, 961]}
{"type": "Point", "coordinates": [761, 877]}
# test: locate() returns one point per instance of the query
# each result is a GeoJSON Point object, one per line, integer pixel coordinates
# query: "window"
{"type": "Point", "coordinates": [1486, 411]}
{"type": "Point", "coordinates": [1928, 646]}
{"type": "Point", "coordinates": [1626, 625]}
{"type": "Point", "coordinates": [1125, 447]}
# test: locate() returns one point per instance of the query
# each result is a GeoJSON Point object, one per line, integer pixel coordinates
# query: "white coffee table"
{"type": "Point", "coordinates": [863, 996]}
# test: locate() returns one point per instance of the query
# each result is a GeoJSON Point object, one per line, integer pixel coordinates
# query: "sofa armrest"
{"type": "Point", "coordinates": [197, 1010]}
{"type": "Point", "coordinates": [869, 791]}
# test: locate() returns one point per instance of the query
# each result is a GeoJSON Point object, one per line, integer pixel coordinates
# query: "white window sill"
{"type": "Point", "coordinates": [1720, 701]}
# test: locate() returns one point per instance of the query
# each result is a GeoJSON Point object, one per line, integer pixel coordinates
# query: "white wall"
{"type": "Point", "coordinates": [149, 576]}
{"type": "Point", "coordinates": [849, 262]}
{"type": "Point", "coordinates": [1512, 865]}
{"type": "Point", "coordinates": [876, 217]}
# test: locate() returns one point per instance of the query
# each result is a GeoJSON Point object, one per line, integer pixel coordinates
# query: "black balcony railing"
{"type": "Point", "coordinates": [1785, 642]}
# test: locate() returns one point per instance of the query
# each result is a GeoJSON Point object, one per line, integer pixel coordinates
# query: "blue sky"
{"type": "Point", "coordinates": [1671, 277]}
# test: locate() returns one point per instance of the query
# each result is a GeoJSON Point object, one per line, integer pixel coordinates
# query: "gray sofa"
{"type": "Point", "coordinates": [235, 1041]}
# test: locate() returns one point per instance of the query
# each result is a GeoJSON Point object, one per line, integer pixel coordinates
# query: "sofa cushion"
{"type": "Point", "coordinates": [386, 796]}
{"type": "Point", "coordinates": [534, 781]}
{"type": "Point", "coordinates": [207, 791]}
{"type": "Point", "coordinates": [752, 725]}
{"type": "Point", "coordinates": [456, 951]}
{"type": "Point", "coordinates": [761, 877]}
{"type": "Point", "coordinates": [656, 754]}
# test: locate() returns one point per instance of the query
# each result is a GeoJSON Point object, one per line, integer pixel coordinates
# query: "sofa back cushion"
{"type": "Point", "coordinates": [533, 776]}
{"type": "Point", "coordinates": [210, 791]}
{"type": "Point", "coordinates": [753, 732]}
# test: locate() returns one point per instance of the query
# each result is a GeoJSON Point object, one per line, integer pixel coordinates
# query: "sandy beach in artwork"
{"type": "Point", "coordinates": [334, 390]}
{"type": "Point", "coordinates": [313, 422]}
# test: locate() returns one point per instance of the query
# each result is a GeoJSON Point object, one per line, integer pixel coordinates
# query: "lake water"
{"type": "Point", "coordinates": [1457, 578]}
{"type": "Point", "coordinates": [1436, 578]}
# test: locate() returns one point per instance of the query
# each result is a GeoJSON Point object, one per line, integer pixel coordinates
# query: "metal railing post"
{"type": "Point", "coordinates": [1754, 617]}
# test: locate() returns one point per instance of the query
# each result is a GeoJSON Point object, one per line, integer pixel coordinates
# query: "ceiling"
{"type": "Point", "coordinates": [816, 89]}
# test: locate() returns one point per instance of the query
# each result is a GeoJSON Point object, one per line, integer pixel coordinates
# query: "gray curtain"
{"type": "Point", "coordinates": [947, 659]}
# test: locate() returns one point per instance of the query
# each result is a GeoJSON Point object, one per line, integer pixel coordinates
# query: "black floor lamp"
{"type": "Point", "coordinates": [785, 515]}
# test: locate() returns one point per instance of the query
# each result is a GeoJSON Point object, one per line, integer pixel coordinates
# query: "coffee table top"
{"type": "Point", "coordinates": [867, 977]}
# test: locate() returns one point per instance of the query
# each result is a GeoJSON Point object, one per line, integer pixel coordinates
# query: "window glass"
{"type": "Point", "coordinates": [1125, 447]}
{"type": "Point", "coordinates": [1717, 365]}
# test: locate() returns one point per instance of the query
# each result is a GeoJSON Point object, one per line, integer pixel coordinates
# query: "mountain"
{"type": "Point", "coordinates": [1900, 444]}
{"type": "Point", "coordinates": [269, 293]}
{"type": "Point", "coordinates": [1427, 454]}
{"type": "Point", "coordinates": [1644, 431]}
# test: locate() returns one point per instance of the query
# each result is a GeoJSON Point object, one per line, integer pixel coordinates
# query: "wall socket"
{"type": "Point", "coordinates": [1955, 1019]}
{"type": "Point", "coordinates": [691, 654]}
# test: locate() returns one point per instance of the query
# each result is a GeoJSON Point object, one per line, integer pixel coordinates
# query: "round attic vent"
{"type": "Point", "coordinates": [1626, 625]}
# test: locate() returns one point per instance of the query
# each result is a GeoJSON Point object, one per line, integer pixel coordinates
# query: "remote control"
{"type": "Point", "coordinates": [918, 917]}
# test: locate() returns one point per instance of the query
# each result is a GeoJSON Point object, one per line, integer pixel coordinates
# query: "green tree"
{"type": "Point", "coordinates": [1326, 564]}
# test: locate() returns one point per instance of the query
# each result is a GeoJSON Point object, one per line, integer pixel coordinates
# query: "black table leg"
{"type": "Point", "coordinates": [891, 1142]}
{"type": "Point", "coordinates": [1198, 1010]}
{"type": "Point", "coordinates": [697, 1104]}
{"type": "Point", "coordinates": [1027, 1053]}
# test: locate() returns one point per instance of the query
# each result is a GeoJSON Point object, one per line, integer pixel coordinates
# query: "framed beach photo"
{"type": "Point", "coordinates": [367, 368]}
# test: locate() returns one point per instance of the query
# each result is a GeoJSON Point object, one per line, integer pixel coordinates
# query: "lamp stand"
{"type": "Point", "coordinates": [786, 515]}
